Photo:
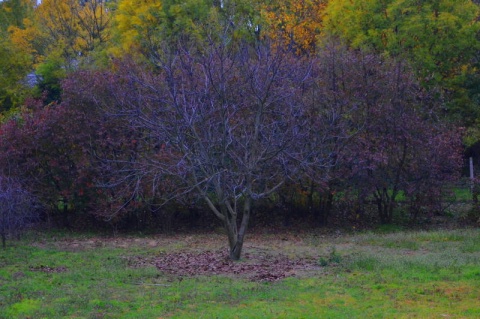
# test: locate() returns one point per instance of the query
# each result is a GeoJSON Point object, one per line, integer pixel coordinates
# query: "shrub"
{"type": "Point", "coordinates": [17, 208]}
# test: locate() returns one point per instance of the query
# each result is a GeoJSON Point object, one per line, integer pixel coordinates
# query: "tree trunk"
{"type": "Point", "coordinates": [385, 205]}
{"type": "Point", "coordinates": [236, 234]}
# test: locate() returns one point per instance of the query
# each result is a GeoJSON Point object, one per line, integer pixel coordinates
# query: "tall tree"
{"type": "Point", "coordinates": [15, 62]}
{"type": "Point", "coordinates": [60, 36]}
{"type": "Point", "coordinates": [14, 66]}
{"type": "Point", "coordinates": [135, 26]}
{"type": "Point", "coordinates": [439, 38]}
{"type": "Point", "coordinates": [74, 27]}
{"type": "Point", "coordinates": [145, 28]}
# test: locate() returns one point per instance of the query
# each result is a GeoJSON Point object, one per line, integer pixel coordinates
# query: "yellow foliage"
{"type": "Point", "coordinates": [19, 36]}
{"type": "Point", "coordinates": [68, 26]}
{"type": "Point", "coordinates": [25, 39]}
{"type": "Point", "coordinates": [295, 23]}
{"type": "Point", "coordinates": [133, 20]}
{"type": "Point", "coordinates": [78, 25]}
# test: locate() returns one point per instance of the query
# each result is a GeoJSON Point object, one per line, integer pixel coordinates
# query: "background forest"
{"type": "Point", "coordinates": [151, 114]}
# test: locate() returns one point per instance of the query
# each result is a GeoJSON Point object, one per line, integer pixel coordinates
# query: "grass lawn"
{"type": "Point", "coordinates": [432, 274]}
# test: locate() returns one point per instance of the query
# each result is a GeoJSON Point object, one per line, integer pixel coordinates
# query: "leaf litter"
{"type": "Point", "coordinates": [258, 267]}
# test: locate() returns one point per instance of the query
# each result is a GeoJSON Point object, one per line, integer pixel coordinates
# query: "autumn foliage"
{"type": "Point", "coordinates": [143, 112]}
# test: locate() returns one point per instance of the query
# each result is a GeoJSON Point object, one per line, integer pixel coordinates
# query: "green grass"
{"type": "Point", "coordinates": [457, 194]}
{"type": "Point", "coordinates": [389, 275]}
{"type": "Point", "coordinates": [462, 194]}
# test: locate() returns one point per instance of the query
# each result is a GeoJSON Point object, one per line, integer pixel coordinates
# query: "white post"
{"type": "Point", "coordinates": [471, 176]}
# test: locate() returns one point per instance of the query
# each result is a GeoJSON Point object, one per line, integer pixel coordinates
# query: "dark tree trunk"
{"type": "Point", "coordinates": [322, 212]}
{"type": "Point", "coordinates": [385, 205]}
{"type": "Point", "coordinates": [235, 232]}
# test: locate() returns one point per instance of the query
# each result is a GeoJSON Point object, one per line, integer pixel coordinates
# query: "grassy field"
{"type": "Point", "coordinates": [432, 274]}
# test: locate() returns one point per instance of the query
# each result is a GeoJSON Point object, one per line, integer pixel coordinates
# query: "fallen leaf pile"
{"type": "Point", "coordinates": [256, 267]}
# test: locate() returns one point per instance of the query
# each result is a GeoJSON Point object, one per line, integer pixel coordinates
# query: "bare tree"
{"type": "Point", "coordinates": [229, 124]}
{"type": "Point", "coordinates": [232, 118]}
{"type": "Point", "coordinates": [16, 208]}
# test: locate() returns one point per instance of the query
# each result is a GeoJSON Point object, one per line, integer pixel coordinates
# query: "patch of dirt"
{"type": "Point", "coordinates": [122, 242]}
{"type": "Point", "coordinates": [259, 267]}
{"type": "Point", "coordinates": [47, 269]}
{"type": "Point", "coordinates": [18, 275]}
